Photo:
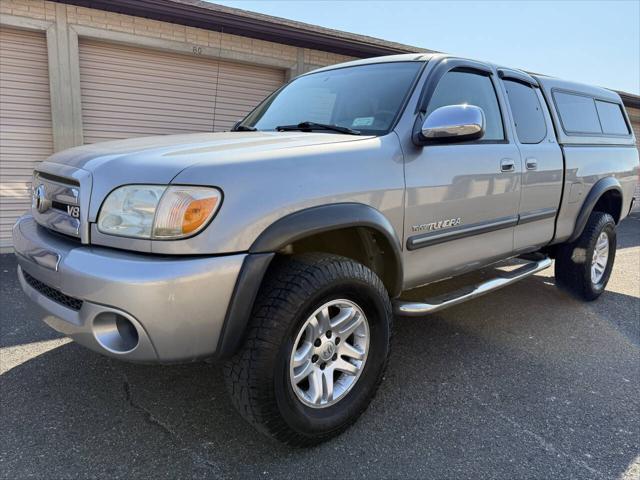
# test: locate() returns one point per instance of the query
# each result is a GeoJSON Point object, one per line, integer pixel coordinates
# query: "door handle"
{"type": "Point", "coordinates": [532, 163]}
{"type": "Point", "coordinates": [507, 165]}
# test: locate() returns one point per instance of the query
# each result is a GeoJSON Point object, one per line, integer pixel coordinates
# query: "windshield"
{"type": "Point", "coordinates": [365, 98]}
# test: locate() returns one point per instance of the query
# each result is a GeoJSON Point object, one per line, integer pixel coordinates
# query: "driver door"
{"type": "Point", "coordinates": [462, 198]}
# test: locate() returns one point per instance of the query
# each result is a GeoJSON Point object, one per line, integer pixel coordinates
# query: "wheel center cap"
{"type": "Point", "coordinates": [327, 351]}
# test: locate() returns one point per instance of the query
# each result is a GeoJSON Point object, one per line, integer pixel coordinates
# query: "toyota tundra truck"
{"type": "Point", "coordinates": [286, 247]}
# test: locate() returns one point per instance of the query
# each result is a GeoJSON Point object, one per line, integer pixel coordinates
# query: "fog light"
{"type": "Point", "coordinates": [115, 332]}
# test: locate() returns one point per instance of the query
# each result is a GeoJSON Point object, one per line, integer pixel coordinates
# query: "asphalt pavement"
{"type": "Point", "coordinates": [527, 382]}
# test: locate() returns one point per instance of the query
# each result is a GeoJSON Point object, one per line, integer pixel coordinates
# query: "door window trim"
{"type": "Point", "coordinates": [522, 77]}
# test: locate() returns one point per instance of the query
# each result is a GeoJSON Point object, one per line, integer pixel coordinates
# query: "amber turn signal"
{"type": "Point", "coordinates": [185, 210]}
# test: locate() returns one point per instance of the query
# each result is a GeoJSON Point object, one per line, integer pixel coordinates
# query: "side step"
{"type": "Point", "coordinates": [430, 305]}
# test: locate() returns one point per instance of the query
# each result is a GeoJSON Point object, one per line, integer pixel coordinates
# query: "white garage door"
{"type": "Point", "coordinates": [25, 120]}
{"type": "Point", "coordinates": [130, 91]}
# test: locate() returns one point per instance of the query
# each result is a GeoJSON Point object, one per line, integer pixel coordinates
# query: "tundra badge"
{"type": "Point", "coordinates": [428, 227]}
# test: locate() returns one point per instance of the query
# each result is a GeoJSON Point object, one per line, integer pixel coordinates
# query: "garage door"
{"type": "Point", "coordinates": [25, 120]}
{"type": "Point", "coordinates": [130, 91]}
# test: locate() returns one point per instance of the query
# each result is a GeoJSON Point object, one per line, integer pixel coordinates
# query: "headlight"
{"type": "Point", "coordinates": [158, 212]}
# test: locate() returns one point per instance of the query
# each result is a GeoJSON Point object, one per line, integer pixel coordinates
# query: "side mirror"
{"type": "Point", "coordinates": [453, 123]}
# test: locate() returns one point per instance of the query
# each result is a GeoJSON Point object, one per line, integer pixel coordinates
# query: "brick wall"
{"type": "Point", "coordinates": [38, 9]}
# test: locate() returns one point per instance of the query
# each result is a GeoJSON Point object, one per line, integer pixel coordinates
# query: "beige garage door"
{"type": "Point", "coordinates": [25, 120]}
{"type": "Point", "coordinates": [130, 91]}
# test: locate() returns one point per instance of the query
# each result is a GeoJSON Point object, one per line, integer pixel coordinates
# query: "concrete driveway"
{"type": "Point", "coordinates": [525, 383]}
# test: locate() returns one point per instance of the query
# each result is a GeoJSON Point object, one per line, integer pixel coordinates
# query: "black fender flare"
{"type": "Point", "coordinates": [284, 231]}
{"type": "Point", "coordinates": [601, 187]}
{"type": "Point", "coordinates": [325, 218]}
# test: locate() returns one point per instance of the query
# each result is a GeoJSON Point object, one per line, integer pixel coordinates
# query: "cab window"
{"type": "Point", "coordinates": [531, 126]}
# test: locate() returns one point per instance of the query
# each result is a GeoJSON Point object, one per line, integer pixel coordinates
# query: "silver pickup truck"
{"type": "Point", "coordinates": [286, 247]}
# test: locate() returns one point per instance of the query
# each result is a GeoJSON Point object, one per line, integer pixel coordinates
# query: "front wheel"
{"type": "Point", "coordinates": [584, 266]}
{"type": "Point", "coordinates": [317, 347]}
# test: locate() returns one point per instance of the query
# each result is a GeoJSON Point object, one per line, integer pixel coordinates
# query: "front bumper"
{"type": "Point", "coordinates": [132, 306]}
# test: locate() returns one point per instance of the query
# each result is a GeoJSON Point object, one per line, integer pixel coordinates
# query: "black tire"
{"type": "Point", "coordinates": [257, 376]}
{"type": "Point", "coordinates": [573, 260]}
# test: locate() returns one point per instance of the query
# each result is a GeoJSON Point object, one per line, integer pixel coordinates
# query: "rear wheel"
{"type": "Point", "coordinates": [584, 266]}
{"type": "Point", "coordinates": [316, 350]}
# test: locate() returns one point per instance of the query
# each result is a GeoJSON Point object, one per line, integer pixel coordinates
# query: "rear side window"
{"type": "Point", "coordinates": [527, 112]}
{"type": "Point", "coordinates": [578, 113]}
{"type": "Point", "coordinates": [583, 114]}
{"type": "Point", "coordinates": [457, 88]}
{"type": "Point", "coordinates": [611, 118]}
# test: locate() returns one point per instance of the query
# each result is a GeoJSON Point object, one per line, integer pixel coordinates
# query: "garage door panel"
{"type": "Point", "coordinates": [15, 74]}
{"type": "Point", "coordinates": [147, 61]}
{"type": "Point", "coordinates": [26, 58]}
{"type": "Point", "coordinates": [25, 120]}
{"type": "Point", "coordinates": [168, 121]}
{"type": "Point", "coordinates": [108, 109]}
{"type": "Point", "coordinates": [36, 106]}
{"type": "Point", "coordinates": [162, 96]}
{"type": "Point", "coordinates": [95, 105]}
{"type": "Point", "coordinates": [156, 62]}
{"type": "Point", "coordinates": [18, 149]}
{"type": "Point", "coordinates": [18, 193]}
{"type": "Point", "coordinates": [30, 94]}
{"type": "Point", "coordinates": [129, 91]}
{"type": "Point", "coordinates": [24, 131]}
{"type": "Point", "coordinates": [149, 129]}
{"type": "Point", "coordinates": [151, 71]}
{"type": "Point", "coordinates": [122, 78]}
{"type": "Point", "coordinates": [35, 144]}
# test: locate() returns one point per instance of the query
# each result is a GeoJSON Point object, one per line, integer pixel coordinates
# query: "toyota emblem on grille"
{"type": "Point", "coordinates": [40, 202]}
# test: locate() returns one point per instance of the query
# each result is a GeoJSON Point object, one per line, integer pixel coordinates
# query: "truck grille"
{"type": "Point", "coordinates": [56, 203]}
{"type": "Point", "coordinates": [53, 294]}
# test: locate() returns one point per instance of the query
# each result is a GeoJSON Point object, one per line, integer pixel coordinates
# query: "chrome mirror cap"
{"type": "Point", "coordinates": [454, 123]}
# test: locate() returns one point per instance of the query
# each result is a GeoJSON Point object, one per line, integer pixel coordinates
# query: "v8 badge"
{"type": "Point", "coordinates": [73, 211]}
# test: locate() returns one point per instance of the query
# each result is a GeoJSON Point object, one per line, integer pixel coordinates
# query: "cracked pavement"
{"type": "Point", "coordinates": [524, 383]}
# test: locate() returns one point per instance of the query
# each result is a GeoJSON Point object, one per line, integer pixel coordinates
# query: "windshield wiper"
{"type": "Point", "coordinates": [244, 128]}
{"type": "Point", "coordinates": [310, 126]}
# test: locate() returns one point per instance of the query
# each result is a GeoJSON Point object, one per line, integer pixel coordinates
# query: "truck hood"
{"type": "Point", "coordinates": [159, 159]}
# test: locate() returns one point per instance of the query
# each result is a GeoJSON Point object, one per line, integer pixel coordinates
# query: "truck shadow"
{"type": "Point", "coordinates": [525, 380]}
{"type": "Point", "coordinates": [629, 233]}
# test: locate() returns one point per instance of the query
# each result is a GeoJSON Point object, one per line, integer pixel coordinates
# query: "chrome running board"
{"type": "Point", "coordinates": [418, 309]}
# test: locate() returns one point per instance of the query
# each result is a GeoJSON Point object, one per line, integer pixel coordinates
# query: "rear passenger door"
{"type": "Point", "coordinates": [541, 159]}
